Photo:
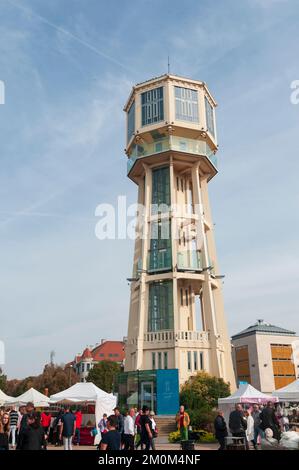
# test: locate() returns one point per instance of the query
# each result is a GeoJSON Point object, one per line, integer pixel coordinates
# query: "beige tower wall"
{"type": "Point", "coordinates": [188, 348]}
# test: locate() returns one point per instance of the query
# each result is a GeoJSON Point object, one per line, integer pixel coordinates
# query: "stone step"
{"type": "Point", "coordinates": [165, 425]}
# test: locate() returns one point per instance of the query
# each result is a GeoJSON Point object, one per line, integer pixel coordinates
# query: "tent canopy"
{"type": "Point", "coordinates": [289, 392]}
{"type": "Point", "coordinates": [87, 392]}
{"type": "Point", "coordinates": [246, 393]}
{"type": "Point", "coordinates": [5, 399]}
{"type": "Point", "coordinates": [38, 399]}
{"type": "Point", "coordinates": [83, 392]}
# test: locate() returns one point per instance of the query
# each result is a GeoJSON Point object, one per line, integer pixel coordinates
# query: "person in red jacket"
{"type": "Point", "coordinates": [46, 421]}
{"type": "Point", "coordinates": [78, 415]}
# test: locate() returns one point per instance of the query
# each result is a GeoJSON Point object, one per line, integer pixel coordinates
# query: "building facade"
{"type": "Point", "coordinates": [105, 351]}
{"type": "Point", "coordinates": [176, 318]}
{"type": "Point", "coordinates": [266, 356]}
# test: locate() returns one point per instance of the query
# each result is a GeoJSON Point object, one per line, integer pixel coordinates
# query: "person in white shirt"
{"type": "Point", "coordinates": [250, 427]}
{"type": "Point", "coordinates": [129, 430]}
{"type": "Point", "coordinates": [154, 429]}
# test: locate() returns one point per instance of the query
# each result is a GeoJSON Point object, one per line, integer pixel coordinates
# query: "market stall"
{"type": "Point", "coordinates": [289, 393]}
{"type": "Point", "coordinates": [247, 395]}
{"type": "Point", "coordinates": [5, 399]}
{"type": "Point", "coordinates": [288, 397]}
{"type": "Point", "coordinates": [86, 393]}
{"type": "Point", "coordinates": [38, 399]}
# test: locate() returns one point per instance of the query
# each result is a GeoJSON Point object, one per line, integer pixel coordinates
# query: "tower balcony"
{"type": "Point", "coordinates": [171, 142]}
{"type": "Point", "coordinates": [169, 338]}
{"type": "Point", "coordinates": [159, 260]}
{"type": "Point", "coordinates": [189, 260]}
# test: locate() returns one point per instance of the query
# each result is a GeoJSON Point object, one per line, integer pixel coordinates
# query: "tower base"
{"type": "Point", "coordinates": [157, 389]}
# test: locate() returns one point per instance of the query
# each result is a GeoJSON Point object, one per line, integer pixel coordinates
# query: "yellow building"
{"type": "Point", "coordinates": [177, 318]}
{"type": "Point", "coordinates": [266, 356]}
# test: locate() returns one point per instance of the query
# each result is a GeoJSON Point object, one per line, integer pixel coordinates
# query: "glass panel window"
{"type": "Point", "coordinates": [160, 190]}
{"type": "Point", "coordinates": [131, 121]}
{"type": "Point", "coordinates": [195, 360]}
{"type": "Point", "coordinates": [153, 360]}
{"type": "Point", "coordinates": [160, 306]}
{"type": "Point", "coordinates": [209, 116]}
{"type": "Point", "coordinates": [189, 360]}
{"type": "Point", "coordinates": [165, 360]}
{"type": "Point", "coordinates": [160, 250]}
{"type": "Point", "coordinates": [159, 360]}
{"type": "Point", "coordinates": [201, 361]}
{"type": "Point", "coordinates": [152, 106]}
{"type": "Point", "coordinates": [186, 104]}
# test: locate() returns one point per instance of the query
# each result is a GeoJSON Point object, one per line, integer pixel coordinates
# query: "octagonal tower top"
{"type": "Point", "coordinates": [171, 104]}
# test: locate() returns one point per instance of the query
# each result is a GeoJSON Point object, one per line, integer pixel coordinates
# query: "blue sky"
{"type": "Point", "coordinates": [68, 66]}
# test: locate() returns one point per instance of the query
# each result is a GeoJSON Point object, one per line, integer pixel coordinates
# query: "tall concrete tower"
{"type": "Point", "coordinates": [177, 318]}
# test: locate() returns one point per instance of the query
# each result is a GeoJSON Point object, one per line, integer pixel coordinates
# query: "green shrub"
{"type": "Point", "coordinates": [205, 436]}
{"type": "Point", "coordinates": [202, 418]}
{"type": "Point", "coordinates": [203, 390]}
{"type": "Point", "coordinates": [174, 436]}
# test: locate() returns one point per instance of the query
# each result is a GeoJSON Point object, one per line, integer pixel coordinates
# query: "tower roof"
{"type": "Point", "coordinates": [262, 327]}
{"type": "Point", "coordinates": [163, 77]}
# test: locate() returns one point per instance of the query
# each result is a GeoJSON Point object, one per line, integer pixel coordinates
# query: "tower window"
{"type": "Point", "coordinates": [160, 248]}
{"type": "Point", "coordinates": [209, 116]}
{"type": "Point", "coordinates": [186, 293]}
{"type": "Point", "coordinates": [160, 189]}
{"type": "Point", "coordinates": [201, 363]}
{"type": "Point", "coordinates": [195, 360]}
{"type": "Point", "coordinates": [165, 360]}
{"type": "Point", "coordinates": [153, 360]}
{"type": "Point", "coordinates": [152, 106]}
{"type": "Point", "coordinates": [182, 297]}
{"type": "Point", "coordinates": [189, 360]}
{"type": "Point", "coordinates": [186, 104]}
{"type": "Point", "coordinates": [131, 121]}
{"type": "Point", "coordinates": [160, 315]}
{"type": "Point", "coordinates": [159, 360]}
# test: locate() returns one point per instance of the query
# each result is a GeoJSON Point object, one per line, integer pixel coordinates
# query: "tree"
{"type": "Point", "coordinates": [103, 375]}
{"type": "Point", "coordinates": [203, 390]}
{"type": "Point", "coordinates": [200, 396]}
{"type": "Point", "coordinates": [54, 378]}
{"type": "Point", "coordinates": [2, 380]}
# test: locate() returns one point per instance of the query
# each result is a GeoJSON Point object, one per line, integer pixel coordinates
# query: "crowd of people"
{"type": "Point", "coordinates": [255, 425]}
{"type": "Point", "coordinates": [28, 429]}
{"type": "Point", "coordinates": [134, 429]}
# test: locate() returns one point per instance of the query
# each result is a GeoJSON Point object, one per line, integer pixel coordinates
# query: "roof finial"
{"type": "Point", "coordinates": [168, 65]}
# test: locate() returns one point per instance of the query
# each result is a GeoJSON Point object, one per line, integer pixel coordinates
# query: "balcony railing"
{"type": "Point", "coordinates": [180, 144]}
{"type": "Point", "coordinates": [171, 336]}
{"type": "Point", "coordinates": [189, 260]}
{"type": "Point", "coordinates": [159, 260]}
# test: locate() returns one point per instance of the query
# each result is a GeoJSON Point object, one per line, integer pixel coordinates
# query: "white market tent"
{"type": "Point", "coordinates": [5, 399]}
{"type": "Point", "coordinates": [38, 399]}
{"type": "Point", "coordinates": [87, 393]}
{"type": "Point", "coordinates": [288, 393]}
{"type": "Point", "coordinates": [245, 394]}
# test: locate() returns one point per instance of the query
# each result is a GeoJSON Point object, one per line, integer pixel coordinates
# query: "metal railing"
{"type": "Point", "coordinates": [180, 144]}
